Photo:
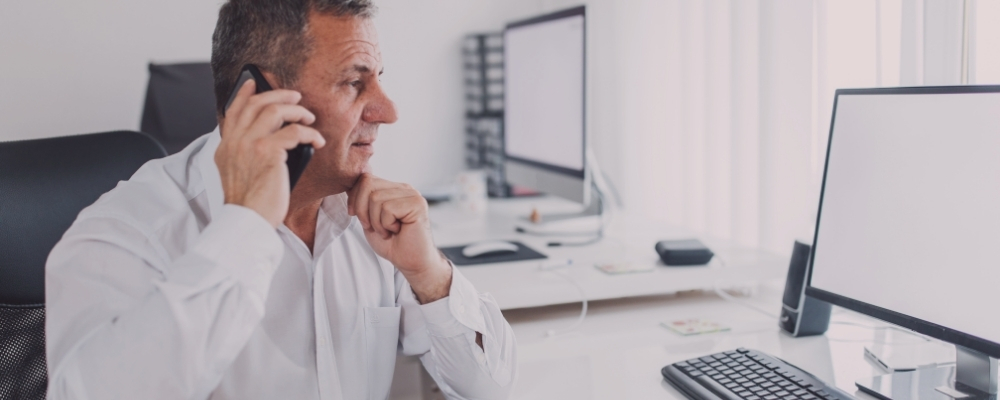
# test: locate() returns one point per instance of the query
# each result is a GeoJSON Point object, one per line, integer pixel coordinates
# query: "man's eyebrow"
{"type": "Point", "coordinates": [360, 68]}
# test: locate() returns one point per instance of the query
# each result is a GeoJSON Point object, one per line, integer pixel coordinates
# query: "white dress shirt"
{"type": "Point", "coordinates": [159, 290]}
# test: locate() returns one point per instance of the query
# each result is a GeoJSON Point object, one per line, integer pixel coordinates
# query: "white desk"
{"type": "Point", "coordinates": [619, 349]}
{"type": "Point", "coordinates": [522, 284]}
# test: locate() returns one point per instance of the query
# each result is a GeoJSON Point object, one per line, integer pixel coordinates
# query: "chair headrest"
{"type": "Point", "coordinates": [44, 183]}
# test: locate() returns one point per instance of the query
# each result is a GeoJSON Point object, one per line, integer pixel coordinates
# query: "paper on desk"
{"type": "Point", "coordinates": [694, 326]}
{"type": "Point", "coordinates": [614, 268]}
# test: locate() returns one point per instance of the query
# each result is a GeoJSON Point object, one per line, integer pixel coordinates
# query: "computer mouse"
{"type": "Point", "coordinates": [489, 248]}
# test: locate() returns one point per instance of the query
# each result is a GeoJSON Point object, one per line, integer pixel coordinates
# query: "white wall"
{"type": "Point", "coordinates": [71, 67]}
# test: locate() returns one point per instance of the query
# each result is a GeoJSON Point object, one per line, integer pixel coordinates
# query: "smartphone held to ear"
{"type": "Point", "coordinates": [298, 157]}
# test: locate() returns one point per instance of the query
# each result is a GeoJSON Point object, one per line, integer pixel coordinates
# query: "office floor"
{"type": "Point", "coordinates": [617, 352]}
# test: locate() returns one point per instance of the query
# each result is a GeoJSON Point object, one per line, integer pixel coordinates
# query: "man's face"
{"type": "Point", "coordinates": [340, 85]}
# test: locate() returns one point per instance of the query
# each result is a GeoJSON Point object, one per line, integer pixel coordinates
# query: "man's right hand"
{"type": "Point", "coordinates": [251, 157]}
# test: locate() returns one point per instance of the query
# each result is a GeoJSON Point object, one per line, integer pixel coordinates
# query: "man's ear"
{"type": "Point", "coordinates": [272, 79]}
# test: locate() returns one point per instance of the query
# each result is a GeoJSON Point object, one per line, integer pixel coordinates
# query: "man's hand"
{"type": "Point", "coordinates": [251, 157]}
{"type": "Point", "coordinates": [394, 217]}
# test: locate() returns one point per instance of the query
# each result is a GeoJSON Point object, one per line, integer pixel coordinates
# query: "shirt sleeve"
{"type": "Point", "coordinates": [123, 321]}
{"type": "Point", "coordinates": [444, 332]}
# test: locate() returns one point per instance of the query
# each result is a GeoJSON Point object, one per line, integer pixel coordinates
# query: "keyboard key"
{"type": "Point", "coordinates": [742, 350]}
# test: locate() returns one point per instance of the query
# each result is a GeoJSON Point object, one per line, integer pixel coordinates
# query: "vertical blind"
{"type": "Point", "coordinates": [726, 104]}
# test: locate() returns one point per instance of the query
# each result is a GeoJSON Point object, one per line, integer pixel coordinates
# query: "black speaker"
{"type": "Point", "coordinates": [802, 315]}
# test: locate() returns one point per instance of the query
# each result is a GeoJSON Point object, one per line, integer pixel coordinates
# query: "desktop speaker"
{"type": "Point", "coordinates": [802, 315]}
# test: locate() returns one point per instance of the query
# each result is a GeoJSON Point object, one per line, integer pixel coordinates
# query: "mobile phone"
{"type": "Point", "coordinates": [298, 157]}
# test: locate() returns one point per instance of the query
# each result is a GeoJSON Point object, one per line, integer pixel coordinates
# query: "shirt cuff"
{"type": "Point", "coordinates": [456, 314]}
{"type": "Point", "coordinates": [244, 245]}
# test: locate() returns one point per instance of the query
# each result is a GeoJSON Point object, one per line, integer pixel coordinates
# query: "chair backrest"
{"type": "Point", "coordinates": [44, 184]}
{"type": "Point", "coordinates": [180, 104]}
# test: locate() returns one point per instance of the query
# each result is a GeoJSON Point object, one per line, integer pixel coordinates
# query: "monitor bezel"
{"type": "Point", "coordinates": [566, 13]}
{"type": "Point", "coordinates": [918, 325]}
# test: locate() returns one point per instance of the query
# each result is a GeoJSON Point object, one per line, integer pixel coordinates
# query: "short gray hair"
{"type": "Point", "coordinates": [270, 34]}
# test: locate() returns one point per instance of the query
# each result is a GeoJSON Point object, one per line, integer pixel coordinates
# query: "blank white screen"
{"type": "Point", "coordinates": [544, 98]}
{"type": "Point", "coordinates": [911, 208]}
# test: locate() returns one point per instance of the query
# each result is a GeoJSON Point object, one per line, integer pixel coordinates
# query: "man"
{"type": "Point", "coordinates": [203, 277]}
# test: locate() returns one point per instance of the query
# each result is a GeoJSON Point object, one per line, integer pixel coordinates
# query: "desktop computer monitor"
{"type": "Point", "coordinates": [544, 104]}
{"type": "Point", "coordinates": [909, 225]}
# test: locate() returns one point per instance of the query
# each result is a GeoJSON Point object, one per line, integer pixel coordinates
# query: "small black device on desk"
{"type": "Point", "coordinates": [743, 374]}
{"type": "Point", "coordinates": [298, 157]}
{"type": "Point", "coordinates": [683, 252]}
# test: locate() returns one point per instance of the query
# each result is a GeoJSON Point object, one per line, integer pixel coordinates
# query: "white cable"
{"type": "Point", "coordinates": [583, 310]}
{"type": "Point", "coordinates": [875, 328]}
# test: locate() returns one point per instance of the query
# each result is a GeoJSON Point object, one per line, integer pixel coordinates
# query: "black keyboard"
{"type": "Point", "coordinates": [744, 374]}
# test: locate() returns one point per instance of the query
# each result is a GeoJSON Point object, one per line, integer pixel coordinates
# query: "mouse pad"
{"type": "Point", "coordinates": [523, 253]}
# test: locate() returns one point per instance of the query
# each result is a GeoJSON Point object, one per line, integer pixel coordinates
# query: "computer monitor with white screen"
{"type": "Point", "coordinates": [909, 225]}
{"type": "Point", "coordinates": [544, 104]}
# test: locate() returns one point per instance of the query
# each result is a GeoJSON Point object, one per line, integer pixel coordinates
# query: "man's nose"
{"type": "Point", "coordinates": [381, 110]}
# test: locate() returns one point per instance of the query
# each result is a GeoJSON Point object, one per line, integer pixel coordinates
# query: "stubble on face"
{"type": "Point", "coordinates": [339, 83]}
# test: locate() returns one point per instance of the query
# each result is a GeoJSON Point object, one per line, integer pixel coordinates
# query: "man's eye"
{"type": "Point", "coordinates": [356, 84]}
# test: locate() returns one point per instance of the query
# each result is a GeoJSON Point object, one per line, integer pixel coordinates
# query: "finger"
{"type": "Point", "coordinates": [296, 134]}
{"type": "Point", "coordinates": [240, 101]}
{"type": "Point", "coordinates": [375, 213]}
{"type": "Point", "coordinates": [395, 212]}
{"type": "Point", "coordinates": [273, 116]}
{"type": "Point", "coordinates": [390, 194]}
{"type": "Point", "coordinates": [361, 191]}
{"type": "Point", "coordinates": [256, 103]}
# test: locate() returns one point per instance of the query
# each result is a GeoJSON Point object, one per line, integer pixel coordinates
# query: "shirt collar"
{"type": "Point", "coordinates": [210, 173]}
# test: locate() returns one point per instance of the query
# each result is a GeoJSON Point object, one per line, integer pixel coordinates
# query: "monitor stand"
{"type": "Point", "coordinates": [973, 377]}
{"type": "Point", "coordinates": [586, 222]}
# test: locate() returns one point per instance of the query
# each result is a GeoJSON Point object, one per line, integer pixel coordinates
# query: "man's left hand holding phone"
{"type": "Point", "coordinates": [258, 131]}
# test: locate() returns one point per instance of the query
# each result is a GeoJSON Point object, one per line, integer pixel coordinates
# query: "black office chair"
{"type": "Point", "coordinates": [180, 104]}
{"type": "Point", "coordinates": [44, 184]}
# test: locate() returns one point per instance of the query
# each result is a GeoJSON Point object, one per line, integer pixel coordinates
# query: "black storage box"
{"type": "Point", "coordinates": [683, 252]}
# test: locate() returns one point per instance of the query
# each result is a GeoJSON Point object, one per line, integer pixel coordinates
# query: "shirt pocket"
{"type": "Point", "coordinates": [381, 341]}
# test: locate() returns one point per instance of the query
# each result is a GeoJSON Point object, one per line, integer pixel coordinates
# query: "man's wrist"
{"type": "Point", "coordinates": [433, 283]}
